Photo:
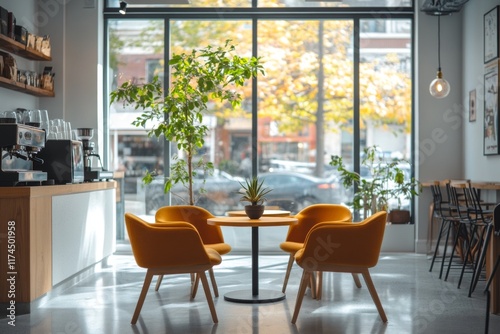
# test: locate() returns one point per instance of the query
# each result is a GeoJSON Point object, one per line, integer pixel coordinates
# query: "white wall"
{"type": "Point", "coordinates": [476, 165]}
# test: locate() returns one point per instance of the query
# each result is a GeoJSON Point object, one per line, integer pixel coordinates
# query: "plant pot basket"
{"type": "Point", "coordinates": [399, 217]}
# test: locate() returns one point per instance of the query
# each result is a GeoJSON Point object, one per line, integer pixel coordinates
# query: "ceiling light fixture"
{"type": "Point", "coordinates": [123, 8]}
{"type": "Point", "coordinates": [442, 7]}
{"type": "Point", "coordinates": [439, 87]}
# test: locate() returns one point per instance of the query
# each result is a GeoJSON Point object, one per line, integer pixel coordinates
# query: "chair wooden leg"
{"type": "Point", "coordinates": [208, 294]}
{"type": "Point", "coordinates": [373, 293]}
{"type": "Point", "coordinates": [304, 282]}
{"type": "Point", "coordinates": [356, 280]}
{"type": "Point", "coordinates": [142, 296]}
{"type": "Point", "coordinates": [288, 270]}
{"type": "Point", "coordinates": [158, 282]}
{"type": "Point", "coordinates": [214, 283]}
{"type": "Point", "coordinates": [312, 285]}
{"type": "Point", "coordinates": [319, 285]}
{"type": "Point", "coordinates": [194, 286]}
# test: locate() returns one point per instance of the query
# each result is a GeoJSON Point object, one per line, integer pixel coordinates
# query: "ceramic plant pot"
{"type": "Point", "coordinates": [254, 211]}
{"type": "Point", "coordinates": [399, 216]}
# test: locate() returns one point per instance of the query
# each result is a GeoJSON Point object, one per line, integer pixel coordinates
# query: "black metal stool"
{"type": "Point", "coordinates": [496, 220]}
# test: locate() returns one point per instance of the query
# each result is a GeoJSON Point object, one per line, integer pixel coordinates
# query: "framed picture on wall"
{"type": "Point", "coordinates": [490, 134]}
{"type": "Point", "coordinates": [491, 35]}
{"type": "Point", "coordinates": [472, 105]}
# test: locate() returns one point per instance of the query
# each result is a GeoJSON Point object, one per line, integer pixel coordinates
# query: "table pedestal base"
{"type": "Point", "coordinates": [246, 296]}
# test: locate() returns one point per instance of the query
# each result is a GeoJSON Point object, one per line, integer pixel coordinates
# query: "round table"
{"type": "Point", "coordinates": [255, 295]}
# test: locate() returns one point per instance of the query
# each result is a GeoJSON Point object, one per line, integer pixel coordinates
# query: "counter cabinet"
{"type": "Point", "coordinates": [50, 233]}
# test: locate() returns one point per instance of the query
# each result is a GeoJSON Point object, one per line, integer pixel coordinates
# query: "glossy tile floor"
{"type": "Point", "coordinates": [415, 301]}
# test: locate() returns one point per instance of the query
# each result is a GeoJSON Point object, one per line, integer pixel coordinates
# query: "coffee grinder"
{"type": "Point", "coordinates": [91, 173]}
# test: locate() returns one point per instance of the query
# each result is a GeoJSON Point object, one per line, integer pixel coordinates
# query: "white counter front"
{"type": "Point", "coordinates": [51, 233]}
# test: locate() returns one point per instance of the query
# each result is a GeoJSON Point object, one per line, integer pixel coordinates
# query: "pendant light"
{"type": "Point", "coordinates": [439, 87]}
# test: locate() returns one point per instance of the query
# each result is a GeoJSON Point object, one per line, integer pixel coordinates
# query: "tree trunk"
{"type": "Point", "coordinates": [190, 175]}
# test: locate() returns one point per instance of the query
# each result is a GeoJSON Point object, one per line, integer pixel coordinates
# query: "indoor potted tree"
{"type": "Point", "coordinates": [386, 182]}
{"type": "Point", "coordinates": [254, 192]}
{"type": "Point", "coordinates": [197, 77]}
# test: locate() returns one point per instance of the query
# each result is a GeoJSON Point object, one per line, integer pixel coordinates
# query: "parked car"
{"type": "Point", "coordinates": [294, 191]}
{"type": "Point", "coordinates": [220, 195]}
{"type": "Point", "coordinates": [290, 191]}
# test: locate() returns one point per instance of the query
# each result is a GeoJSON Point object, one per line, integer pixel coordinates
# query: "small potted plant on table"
{"type": "Point", "coordinates": [254, 192]}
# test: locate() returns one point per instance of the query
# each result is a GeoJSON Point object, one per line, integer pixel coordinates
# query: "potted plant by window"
{"type": "Point", "coordinates": [197, 78]}
{"type": "Point", "coordinates": [386, 182]}
{"type": "Point", "coordinates": [403, 189]}
{"type": "Point", "coordinates": [254, 192]}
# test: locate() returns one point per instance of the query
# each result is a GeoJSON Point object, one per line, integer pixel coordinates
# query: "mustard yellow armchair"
{"type": "Point", "coordinates": [211, 235]}
{"type": "Point", "coordinates": [342, 247]}
{"type": "Point", "coordinates": [164, 250]}
{"type": "Point", "coordinates": [307, 219]}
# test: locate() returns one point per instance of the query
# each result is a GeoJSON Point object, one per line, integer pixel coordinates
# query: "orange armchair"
{"type": "Point", "coordinates": [351, 248]}
{"type": "Point", "coordinates": [164, 250]}
{"type": "Point", "coordinates": [307, 219]}
{"type": "Point", "coordinates": [211, 235]}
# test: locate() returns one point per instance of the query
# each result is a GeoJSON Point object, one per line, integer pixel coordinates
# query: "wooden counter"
{"type": "Point", "coordinates": [26, 236]}
{"type": "Point", "coordinates": [41, 191]}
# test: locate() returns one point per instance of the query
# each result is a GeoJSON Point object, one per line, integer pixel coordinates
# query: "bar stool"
{"type": "Point", "coordinates": [480, 220]}
{"type": "Point", "coordinates": [443, 212]}
{"type": "Point", "coordinates": [496, 219]}
{"type": "Point", "coordinates": [461, 225]}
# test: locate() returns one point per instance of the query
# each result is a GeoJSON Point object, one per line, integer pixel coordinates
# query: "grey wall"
{"type": "Point", "coordinates": [438, 127]}
{"type": "Point", "coordinates": [9, 98]}
{"type": "Point", "coordinates": [476, 166]}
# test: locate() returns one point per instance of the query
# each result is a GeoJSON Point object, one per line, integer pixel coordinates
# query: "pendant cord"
{"type": "Point", "coordinates": [439, 42]}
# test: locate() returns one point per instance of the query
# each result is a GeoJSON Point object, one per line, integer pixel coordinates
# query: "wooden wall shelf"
{"type": "Point", "coordinates": [11, 45]}
{"type": "Point", "coordinates": [20, 49]}
{"type": "Point", "coordinates": [20, 87]}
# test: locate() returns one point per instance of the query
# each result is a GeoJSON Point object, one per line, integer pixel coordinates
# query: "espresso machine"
{"type": "Point", "coordinates": [91, 172]}
{"type": "Point", "coordinates": [19, 145]}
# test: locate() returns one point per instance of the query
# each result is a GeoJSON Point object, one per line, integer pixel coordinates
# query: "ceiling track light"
{"type": "Point", "coordinates": [439, 87]}
{"type": "Point", "coordinates": [123, 7]}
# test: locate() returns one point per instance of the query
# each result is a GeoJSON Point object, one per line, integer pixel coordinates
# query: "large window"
{"type": "Point", "coordinates": [334, 84]}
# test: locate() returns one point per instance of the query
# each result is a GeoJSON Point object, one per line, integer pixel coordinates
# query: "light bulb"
{"type": "Point", "coordinates": [439, 87]}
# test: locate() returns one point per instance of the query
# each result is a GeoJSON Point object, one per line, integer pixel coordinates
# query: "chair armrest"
{"type": "Point", "coordinates": [174, 224]}
{"type": "Point", "coordinates": [328, 223]}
